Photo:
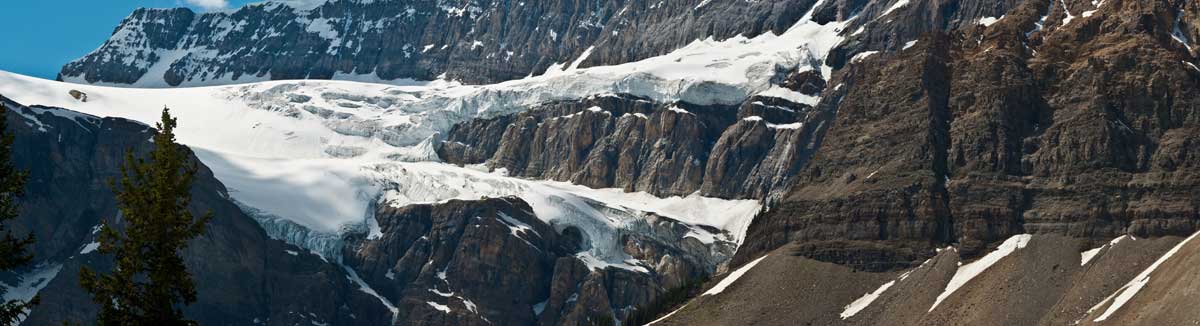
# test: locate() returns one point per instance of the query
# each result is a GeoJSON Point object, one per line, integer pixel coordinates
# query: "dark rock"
{"type": "Point", "coordinates": [492, 261]}
{"type": "Point", "coordinates": [808, 82]}
{"type": "Point", "coordinates": [620, 141]}
{"type": "Point", "coordinates": [78, 96]}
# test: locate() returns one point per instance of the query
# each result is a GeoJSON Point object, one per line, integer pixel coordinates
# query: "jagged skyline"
{"type": "Point", "coordinates": [68, 34]}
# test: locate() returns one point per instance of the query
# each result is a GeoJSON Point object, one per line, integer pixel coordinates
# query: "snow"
{"type": "Point", "coordinates": [733, 277]}
{"type": "Point", "coordinates": [539, 308]}
{"type": "Point", "coordinates": [594, 263]}
{"type": "Point", "coordinates": [602, 214]}
{"type": "Point", "coordinates": [969, 271]}
{"type": "Point", "coordinates": [678, 110]}
{"type": "Point", "coordinates": [1041, 23]}
{"type": "Point", "coordinates": [899, 4]}
{"type": "Point", "coordinates": [1126, 292]}
{"type": "Point", "coordinates": [796, 125]}
{"type": "Point", "coordinates": [517, 228]}
{"type": "Point", "coordinates": [705, 71]}
{"type": "Point", "coordinates": [1068, 18]}
{"type": "Point", "coordinates": [863, 55]}
{"type": "Point", "coordinates": [909, 44]}
{"type": "Point", "coordinates": [790, 95]}
{"type": "Point", "coordinates": [862, 303]}
{"type": "Point", "coordinates": [584, 56]}
{"type": "Point", "coordinates": [1087, 256]}
{"type": "Point", "coordinates": [1178, 35]}
{"type": "Point", "coordinates": [309, 160]}
{"type": "Point", "coordinates": [988, 21]}
{"type": "Point", "coordinates": [89, 248]}
{"type": "Point", "coordinates": [1191, 65]}
{"type": "Point", "coordinates": [1097, 4]}
{"type": "Point", "coordinates": [30, 283]}
{"type": "Point", "coordinates": [362, 286]}
{"type": "Point", "coordinates": [324, 28]}
{"type": "Point", "coordinates": [438, 306]}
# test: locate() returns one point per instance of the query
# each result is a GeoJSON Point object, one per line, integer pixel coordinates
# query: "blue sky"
{"type": "Point", "coordinates": [38, 36]}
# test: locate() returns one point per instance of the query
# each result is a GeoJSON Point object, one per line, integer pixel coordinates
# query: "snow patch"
{"type": "Point", "coordinates": [969, 271]}
{"type": "Point", "coordinates": [859, 57]}
{"type": "Point", "coordinates": [899, 4]}
{"type": "Point", "coordinates": [988, 21]}
{"type": "Point", "coordinates": [439, 307]}
{"type": "Point", "coordinates": [858, 305]}
{"type": "Point", "coordinates": [30, 283]}
{"type": "Point", "coordinates": [90, 248]}
{"type": "Point", "coordinates": [1126, 292]}
{"type": "Point", "coordinates": [733, 277]}
{"type": "Point", "coordinates": [1086, 256]}
{"type": "Point", "coordinates": [790, 95]}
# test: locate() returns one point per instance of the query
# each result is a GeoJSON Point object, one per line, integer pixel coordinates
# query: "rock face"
{"type": "Point", "coordinates": [240, 274]}
{"type": "Point", "coordinates": [1031, 125]}
{"type": "Point", "coordinates": [476, 41]}
{"type": "Point", "coordinates": [493, 261]}
{"type": "Point", "coordinates": [621, 141]}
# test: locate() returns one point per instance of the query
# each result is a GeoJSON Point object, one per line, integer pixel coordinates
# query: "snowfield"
{"type": "Point", "coordinates": [310, 174]}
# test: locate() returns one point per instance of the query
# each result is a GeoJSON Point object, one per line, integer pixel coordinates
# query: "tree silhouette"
{"type": "Point", "coordinates": [13, 249]}
{"type": "Point", "coordinates": [150, 284]}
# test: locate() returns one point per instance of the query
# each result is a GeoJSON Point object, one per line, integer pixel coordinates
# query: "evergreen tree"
{"type": "Point", "coordinates": [150, 284]}
{"type": "Point", "coordinates": [13, 252]}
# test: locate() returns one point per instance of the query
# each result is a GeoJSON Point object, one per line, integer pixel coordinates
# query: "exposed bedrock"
{"type": "Point", "coordinates": [492, 261]}
{"type": "Point", "coordinates": [969, 137]}
{"type": "Point", "coordinates": [621, 141]}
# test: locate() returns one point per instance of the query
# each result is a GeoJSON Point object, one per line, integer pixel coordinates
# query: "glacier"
{"type": "Point", "coordinates": [311, 159]}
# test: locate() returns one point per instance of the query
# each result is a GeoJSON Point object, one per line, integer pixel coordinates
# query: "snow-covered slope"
{"type": "Point", "coordinates": [312, 173]}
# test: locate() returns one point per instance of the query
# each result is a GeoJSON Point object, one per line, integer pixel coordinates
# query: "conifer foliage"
{"type": "Point", "coordinates": [13, 249]}
{"type": "Point", "coordinates": [150, 284]}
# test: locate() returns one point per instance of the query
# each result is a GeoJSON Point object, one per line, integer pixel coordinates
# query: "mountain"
{"type": "Point", "coordinates": [475, 41]}
{"type": "Point", "coordinates": [861, 162]}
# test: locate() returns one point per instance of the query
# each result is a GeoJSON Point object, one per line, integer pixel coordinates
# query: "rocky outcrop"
{"type": "Point", "coordinates": [758, 156]}
{"type": "Point", "coordinates": [852, 189]}
{"type": "Point", "coordinates": [240, 274]}
{"type": "Point", "coordinates": [462, 263]}
{"type": "Point", "coordinates": [990, 131]}
{"type": "Point", "coordinates": [473, 41]}
{"type": "Point", "coordinates": [615, 141]}
{"type": "Point", "coordinates": [621, 141]}
{"type": "Point", "coordinates": [492, 261]}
